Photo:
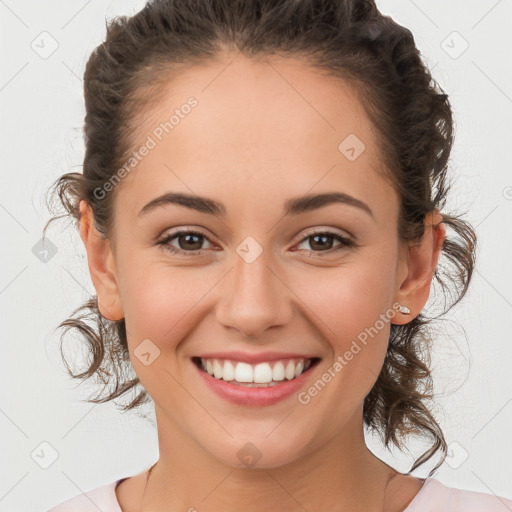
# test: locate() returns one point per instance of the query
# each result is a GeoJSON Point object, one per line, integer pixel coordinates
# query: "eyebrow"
{"type": "Point", "coordinates": [294, 206]}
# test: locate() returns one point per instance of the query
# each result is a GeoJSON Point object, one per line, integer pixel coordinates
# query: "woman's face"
{"type": "Point", "coordinates": [260, 134]}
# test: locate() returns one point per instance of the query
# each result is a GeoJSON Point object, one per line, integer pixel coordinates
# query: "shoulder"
{"type": "Point", "coordinates": [102, 498]}
{"type": "Point", "coordinates": [434, 496]}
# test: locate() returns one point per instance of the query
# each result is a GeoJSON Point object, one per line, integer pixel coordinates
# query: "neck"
{"type": "Point", "coordinates": [342, 474]}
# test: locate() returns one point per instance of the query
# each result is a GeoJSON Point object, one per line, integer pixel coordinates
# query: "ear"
{"type": "Point", "coordinates": [101, 265]}
{"type": "Point", "coordinates": [422, 259]}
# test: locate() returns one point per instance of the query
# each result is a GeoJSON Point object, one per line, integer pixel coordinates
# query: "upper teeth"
{"type": "Point", "coordinates": [259, 373]}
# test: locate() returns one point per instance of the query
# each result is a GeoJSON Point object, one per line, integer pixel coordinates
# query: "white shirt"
{"type": "Point", "coordinates": [434, 496]}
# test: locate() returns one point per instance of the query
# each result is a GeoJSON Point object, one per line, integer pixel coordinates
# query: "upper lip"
{"type": "Point", "coordinates": [253, 358]}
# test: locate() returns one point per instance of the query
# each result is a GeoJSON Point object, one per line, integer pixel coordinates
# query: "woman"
{"type": "Point", "coordinates": [261, 206]}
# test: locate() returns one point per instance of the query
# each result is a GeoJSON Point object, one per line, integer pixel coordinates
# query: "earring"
{"type": "Point", "coordinates": [404, 309]}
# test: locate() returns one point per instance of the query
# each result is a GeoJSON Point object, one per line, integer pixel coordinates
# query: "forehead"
{"type": "Point", "coordinates": [265, 126]}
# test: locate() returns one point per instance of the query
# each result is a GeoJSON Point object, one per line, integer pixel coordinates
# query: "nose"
{"type": "Point", "coordinates": [255, 298]}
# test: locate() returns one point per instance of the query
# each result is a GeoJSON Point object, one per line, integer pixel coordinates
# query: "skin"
{"type": "Point", "coordinates": [257, 138]}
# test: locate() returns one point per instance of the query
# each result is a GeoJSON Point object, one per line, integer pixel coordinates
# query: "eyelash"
{"type": "Point", "coordinates": [346, 242]}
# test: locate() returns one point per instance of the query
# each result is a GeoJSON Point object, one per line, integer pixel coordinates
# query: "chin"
{"type": "Point", "coordinates": [256, 452]}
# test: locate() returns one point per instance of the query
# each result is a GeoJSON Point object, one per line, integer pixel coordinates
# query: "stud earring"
{"type": "Point", "coordinates": [404, 309]}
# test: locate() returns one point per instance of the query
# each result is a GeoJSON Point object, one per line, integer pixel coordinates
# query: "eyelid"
{"type": "Point", "coordinates": [317, 230]}
{"type": "Point", "coordinates": [183, 230]}
{"type": "Point", "coordinates": [347, 241]}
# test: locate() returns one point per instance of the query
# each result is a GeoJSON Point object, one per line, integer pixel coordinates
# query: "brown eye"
{"type": "Point", "coordinates": [191, 242]}
{"type": "Point", "coordinates": [188, 241]}
{"type": "Point", "coordinates": [321, 241]}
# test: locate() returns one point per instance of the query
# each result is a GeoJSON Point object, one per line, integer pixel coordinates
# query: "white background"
{"type": "Point", "coordinates": [41, 120]}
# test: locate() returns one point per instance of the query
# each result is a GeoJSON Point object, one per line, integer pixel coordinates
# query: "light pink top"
{"type": "Point", "coordinates": [432, 497]}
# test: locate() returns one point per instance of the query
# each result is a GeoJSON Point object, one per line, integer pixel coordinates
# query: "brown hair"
{"type": "Point", "coordinates": [348, 39]}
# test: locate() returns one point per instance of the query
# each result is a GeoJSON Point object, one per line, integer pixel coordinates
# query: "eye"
{"type": "Point", "coordinates": [321, 241]}
{"type": "Point", "coordinates": [188, 242]}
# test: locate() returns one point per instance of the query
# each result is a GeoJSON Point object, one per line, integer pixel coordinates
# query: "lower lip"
{"type": "Point", "coordinates": [257, 397]}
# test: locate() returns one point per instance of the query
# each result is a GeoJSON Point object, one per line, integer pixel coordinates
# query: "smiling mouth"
{"type": "Point", "coordinates": [265, 374]}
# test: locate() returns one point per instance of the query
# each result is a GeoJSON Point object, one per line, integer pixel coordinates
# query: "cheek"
{"type": "Point", "coordinates": [344, 304]}
{"type": "Point", "coordinates": [352, 305]}
{"type": "Point", "coordinates": [158, 300]}
{"type": "Point", "coordinates": [161, 304]}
